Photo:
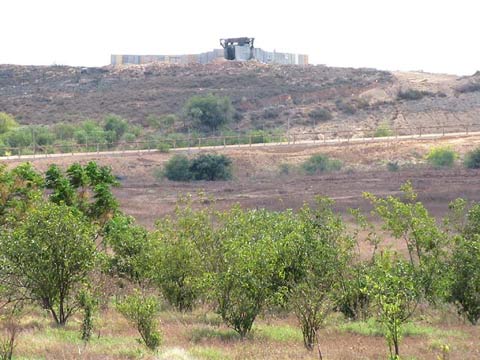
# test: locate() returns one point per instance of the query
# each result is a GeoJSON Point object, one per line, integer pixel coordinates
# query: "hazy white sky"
{"type": "Point", "coordinates": [429, 35]}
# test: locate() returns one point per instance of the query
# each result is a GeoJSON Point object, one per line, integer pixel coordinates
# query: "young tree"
{"type": "Point", "coordinates": [132, 249]}
{"type": "Point", "coordinates": [408, 219]}
{"type": "Point", "coordinates": [47, 257]}
{"type": "Point", "coordinates": [394, 291]}
{"type": "Point", "coordinates": [181, 258]}
{"type": "Point", "coordinates": [326, 250]}
{"type": "Point", "coordinates": [465, 262]}
{"type": "Point", "coordinates": [250, 270]}
{"type": "Point", "coordinates": [141, 311]}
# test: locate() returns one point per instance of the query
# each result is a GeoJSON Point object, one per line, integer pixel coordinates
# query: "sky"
{"type": "Point", "coordinates": [434, 36]}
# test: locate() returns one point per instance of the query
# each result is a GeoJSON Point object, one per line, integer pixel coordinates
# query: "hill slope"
{"type": "Point", "coordinates": [264, 95]}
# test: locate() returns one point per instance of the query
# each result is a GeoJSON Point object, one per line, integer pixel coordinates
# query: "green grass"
{"type": "Point", "coordinates": [373, 328]}
{"type": "Point", "coordinates": [199, 334]}
{"type": "Point", "coordinates": [208, 353]}
{"type": "Point", "coordinates": [281, 333]}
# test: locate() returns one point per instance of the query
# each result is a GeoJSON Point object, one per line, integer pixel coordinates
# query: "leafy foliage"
{"type": "Point", "coordinates": [210, 111]}
{"type": "Point", "coordinates": [326, 251]}
{"type": "Point", "coordinates": [472, 159]}
{"type": "Point", "coordinates": [141, 312]}
{"type": "Point", "coordinates": [321, 163]}
{"type": "Point", "coordinates": [465, 268]}
{"type": "Point", "coordinates": [441, 157]}
{"type": "Point", "coordinates": [7, 122]}
{"type": "Point", "coordinates": [132, 248]}
{"type": "Point", "coordinates": [178, 168]}
{"type": "Point", "coordinates": [181, 257]}
{"type": "Point", "coordinates": [47, 257]}
{"type": "Point", "coordinates": [394, 292]}
{"type": "Point", "coordinates": [210, 167]}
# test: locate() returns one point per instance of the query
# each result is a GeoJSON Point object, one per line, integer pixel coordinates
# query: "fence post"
{"type": "Point", "coordinates": [249, 140]}
{"type": "Point", "coordinates": [224, 142]}
{"type": "Point", "coordinates": [466, 130]}
{"type": "Point", "coordinates": [199, 142]}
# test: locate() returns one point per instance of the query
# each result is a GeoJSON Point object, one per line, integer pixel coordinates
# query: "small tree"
{"type": "Point", "coordinates": [88, 303]}
{"type": "Point", "coordinates": [325, 251]}
{"type": "Point", "coordinates": [141, 311]}
{"type": "Point", "coordinates": [210, 111]}
{"type": "Point", "coordinates": [393, 289]}
{"type": "Point", "coordinates": [132, 249]}
{"type": "Point", "coordinates": [182, 258]}
{"type": "Point", "coordinates": [47, 257]}
{"type": "Point", "coordinates": [248, 272]}
{"type": "Point", "coordinates": [465, 263]}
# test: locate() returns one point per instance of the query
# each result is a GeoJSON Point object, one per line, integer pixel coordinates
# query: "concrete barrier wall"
{"type": "Point", "coordinates": [215, 55]}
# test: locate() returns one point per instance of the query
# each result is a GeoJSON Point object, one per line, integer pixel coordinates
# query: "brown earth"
{"type": "Point", "coordinates": [266, 96]}
{"type": "Point", "coordinates": [258, 183]}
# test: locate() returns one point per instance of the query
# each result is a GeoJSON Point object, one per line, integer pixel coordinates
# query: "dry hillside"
{"type": "Point", "coordinates": [265, 96]}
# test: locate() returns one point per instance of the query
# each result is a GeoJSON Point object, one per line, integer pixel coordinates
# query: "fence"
{"type": "Point", "coordinates": [325, 137]}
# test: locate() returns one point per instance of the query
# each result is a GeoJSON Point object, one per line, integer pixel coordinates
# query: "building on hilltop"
{"type": "Point", "coordinates": [237, 49]}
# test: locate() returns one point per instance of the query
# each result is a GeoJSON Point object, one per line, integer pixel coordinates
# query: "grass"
{"type": "Point", "coordinates": [280, 333]}
{"type": "Point", "coordinates": [200, 334]}
{"type": "Point", "coordinates": [373, 328]}
{"type": "Point", "coordinates": [208, 353]}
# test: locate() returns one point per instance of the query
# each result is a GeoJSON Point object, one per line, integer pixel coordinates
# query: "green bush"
{"type": "Point", "coordinates": [211, 167]}
{"type": "Point", "coordinates": [210, 112]}
{"type": "Point", "coordinates": [208, 167]}
{"type": "Point", "coordinates": [7, 122]}
{"type": "Point", "coordinates": [383, 130]}
{"type": "Point", "coordinates": [178, 168]}
{"type": "Point", "coordinates": [441, 157]}
{"type": "Point", "coordinates": [115, 124]}
{"type": "Point", "coordinates": [320, 114]}
{"type": "Point", "coordinates": [472, 159]}
{"type": "Point", "coordinates": [141, 312]}
{"type": "Point", "coordinates": [321, 163]}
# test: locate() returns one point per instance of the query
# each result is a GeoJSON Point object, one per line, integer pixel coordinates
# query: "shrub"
{"type": "Point", "coordinates": [412, 94]}
{"type": "Point", "coordinates": [7, 122]}
{"type": "Point", "coordinates": [178, 168]}
{"type": "Point", "coordinates": [441, 157]}
{"type": "Point", "coordinates": [321, 163]}
{"type": "Point", "coordinates": [383, 130]}
{"type": "Point", "coordinates": [88, 304]}
{"type": "Point", "coordinates": [345, 107]}
{"type": "Point", "coordinates": [393, 166]}
{"type": "Point", "coordinates": [472, 159]}
{"type": "Point", "coordinates": [211, 167]}
{"type": "Point", "coordinates": [320, 114]}
{"type": "Point", "coordinates": [115, 124]}
{"type": "Point", "coordinates": [141, 311]}
{"type": "Point", "coordinates": [211, 112]}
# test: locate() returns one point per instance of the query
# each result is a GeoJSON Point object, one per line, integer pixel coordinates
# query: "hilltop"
{"type": "Point", "coordinates": [265, 96]}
